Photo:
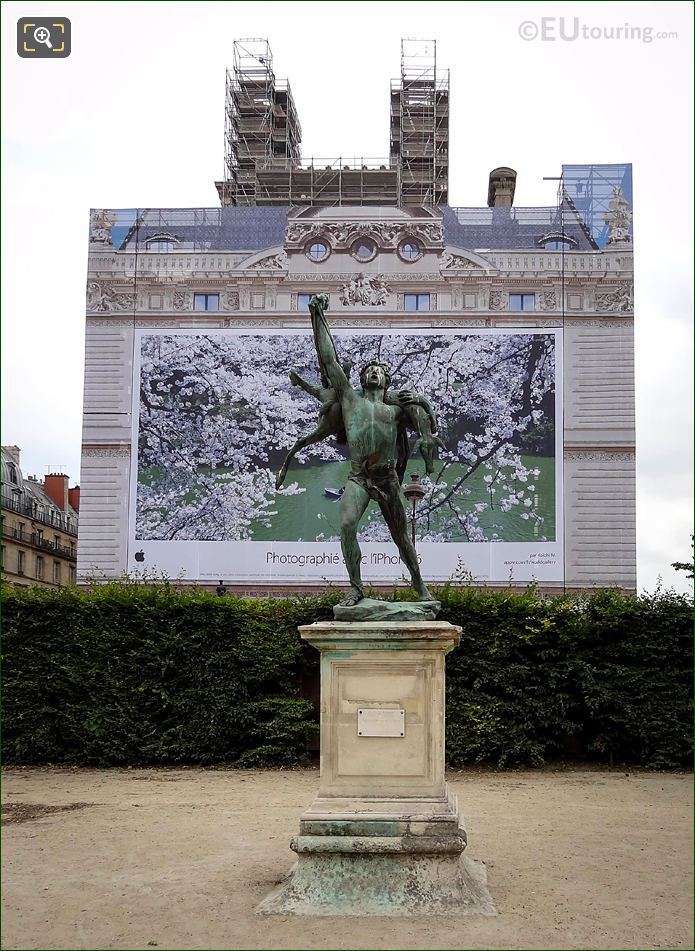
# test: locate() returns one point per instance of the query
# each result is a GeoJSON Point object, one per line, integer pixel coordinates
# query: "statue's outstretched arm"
{"type": "Point", "coordinates": [313, 389]}
{"type": "Point", "coordinates": [325, 347]}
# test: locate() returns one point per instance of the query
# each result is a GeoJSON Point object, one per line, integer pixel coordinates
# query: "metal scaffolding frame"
{"type": "Point", "coordinates": [328, 181]}
{"type": "Point", "coordinates": [262, 157]}
{"type": "Point", "coordinates": [420, 125]}
{"type": "Point", "coordinates": [590, 189]}
{"type": "Point", "coordinates": [261, 123]}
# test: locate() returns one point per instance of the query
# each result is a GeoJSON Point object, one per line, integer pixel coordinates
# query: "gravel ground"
{"type": "Point", "coordinates": [131, 859]}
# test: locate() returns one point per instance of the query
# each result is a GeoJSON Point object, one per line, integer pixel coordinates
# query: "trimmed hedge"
{"type": "Point", "coordinates": [128, 675]}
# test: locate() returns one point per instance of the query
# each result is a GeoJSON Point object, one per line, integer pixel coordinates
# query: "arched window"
{"type": "Point", "coordinates": [161, 242]}
{"type": "Point", "coordinates": [557, 241]}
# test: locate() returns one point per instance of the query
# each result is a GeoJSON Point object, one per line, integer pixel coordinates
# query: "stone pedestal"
{"type": "Point", "coordinates": [383, 836]}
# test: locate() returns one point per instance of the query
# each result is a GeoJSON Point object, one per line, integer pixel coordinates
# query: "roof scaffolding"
{"type": "Point", "coordinates": [420, 125]}
{"type": "Point", "coordinates": [262, 139]}
{"type": "Point", "coordinates": [591, 188]}
{"type": "Point", "coordinates": [261, 124]}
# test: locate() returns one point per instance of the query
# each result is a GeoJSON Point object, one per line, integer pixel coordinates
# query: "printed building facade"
{"type": "Point", "coordinates": [395, 259]}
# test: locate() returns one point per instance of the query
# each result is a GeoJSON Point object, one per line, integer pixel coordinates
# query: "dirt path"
{"type": "Point", "coordinates": [140, 859]}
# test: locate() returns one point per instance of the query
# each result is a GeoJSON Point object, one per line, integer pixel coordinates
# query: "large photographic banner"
{"type": "Point", "coordinates": [215, 413]}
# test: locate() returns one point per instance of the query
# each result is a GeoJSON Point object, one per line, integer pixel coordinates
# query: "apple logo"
{"type": "Point", "coordinates": [140, 555]}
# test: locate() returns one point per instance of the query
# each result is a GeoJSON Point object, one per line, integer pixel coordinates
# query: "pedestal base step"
{"type": "Point", "coordinates": [372, 609]}
{"type": "Point", "coordinates": [389, 883]}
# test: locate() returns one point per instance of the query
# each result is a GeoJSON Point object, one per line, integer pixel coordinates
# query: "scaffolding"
{"type": "Point", "coordinates": [420, 126]}
{"type": "Point", "coordinates": [328, 181]}
{"type": "Point", "coordinates": [262, 159]}
{"type": "Point", "coordinates": [590, 189]}
{"type": "Point", "coordinates": [262, 128]}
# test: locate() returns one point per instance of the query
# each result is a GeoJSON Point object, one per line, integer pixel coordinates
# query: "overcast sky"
{"type": "Point", "coordinates": [134, 117]}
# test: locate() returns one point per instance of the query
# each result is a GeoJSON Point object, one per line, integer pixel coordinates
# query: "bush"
{"type": "Point", "coordinates": [132, 675]}
{"type": "Point", "coordinates": [606, 675]}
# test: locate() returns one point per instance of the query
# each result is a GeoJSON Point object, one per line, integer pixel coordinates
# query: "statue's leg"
{"type": "Point", "coordinates": [330, 423]}
{"type": "Point", "coordinates": [394, 516]}
{"type": "Point", "coordinates": [321, 432]}
{"type": "Point", "coordinates": [353, 504]}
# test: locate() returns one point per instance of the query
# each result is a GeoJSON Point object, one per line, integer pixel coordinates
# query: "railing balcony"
{"type": "Point", "coordinates": [60, 523]}
{"type": "Point", "coordinates": [38, 541]}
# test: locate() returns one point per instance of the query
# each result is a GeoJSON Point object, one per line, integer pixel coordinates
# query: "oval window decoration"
{"type": "Point", "coordinates": [317, 250]}
{"type": "Point", "coordinates": [409, 250]}
{"type": "Point", "coordinates": [557, 241]}
{"type": "Point", "coordinates": [364, 250]}
{"type": "Point", "coordinates": [162, 241]}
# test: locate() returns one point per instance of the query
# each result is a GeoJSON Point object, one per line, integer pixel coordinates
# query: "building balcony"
{"type": "Point", "coordinates": [58, 523]}
{"type": "Point", "coordinates": [34, 540]}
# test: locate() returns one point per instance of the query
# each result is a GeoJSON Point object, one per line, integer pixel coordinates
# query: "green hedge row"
{"type": "Point", "coordinates": [130, 675]}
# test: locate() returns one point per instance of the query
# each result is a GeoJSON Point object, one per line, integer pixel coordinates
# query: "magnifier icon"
{"type": "Point", "coordinates": [42, 35]}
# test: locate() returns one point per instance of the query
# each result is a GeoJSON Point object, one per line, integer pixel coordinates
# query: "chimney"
{"type": "Point", "coordinates": [13, 453]}
{"type": "Point", "coordinates": [500, 193]}
{"type": "Point", "coordinates": [74, 497]}
{"type": "Point", "coordinates": [55, 486]}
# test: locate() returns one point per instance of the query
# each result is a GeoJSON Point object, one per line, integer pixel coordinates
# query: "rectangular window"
{"type": "Point", "coordinates": [39, 568]}
{"type": "Point", "coordinates": [20, 562]}
{"type": "Point", "coordinates": [303, 302]}
{"type": "Point", "coordinates": [73, 575]}
{"type": "Point", "coordinates": [416, 301]}
{"type": "Point", "coordinates": [56, 572]}
{"type": "Point", "coordinates": [206, 302]}
{"type": "Point", "coordinates": [20, 529]}
{"type": "Point", "coordinates": [56, 542]}
{"type": "Point", "coordinates": [522, 301]}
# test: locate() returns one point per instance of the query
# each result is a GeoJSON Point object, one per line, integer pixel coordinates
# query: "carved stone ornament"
{"type": "Point", "coordinates": [384, 233]}
{"type": "Point", "coordinates": [548, 300]}
{"type": "Point", "coordinates": [618, 219]}
{"type": "Point", "coordinates": [100, 226]}
{"type": "Point", "coordinates": [619, 300]}
{"type": "Point", "coordinates": [104, 298]}
{"type": "Point", "coordinates": [498, 300]}
{"type": "Point", "coordinates": [182, 300]}
{"type": "Point", "coordinates": [106, 451]}
{"type": "Point", "coordinates": [368, 291]}
{"type": "Point", "coordinates": [598, 455]}
{"type": "Point", "coordinates": [274, 262]}
{"type": "Point", "coordinates": [455, 262]}
{"type": "Point", "coordinates": [230, 300]}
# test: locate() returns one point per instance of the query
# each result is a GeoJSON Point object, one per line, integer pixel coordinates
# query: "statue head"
{"type": "Point", "coordinates": [375, 374]}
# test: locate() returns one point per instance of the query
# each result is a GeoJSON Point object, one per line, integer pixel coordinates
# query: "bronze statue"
{"type": "Point", "coordinates": [375, 426]}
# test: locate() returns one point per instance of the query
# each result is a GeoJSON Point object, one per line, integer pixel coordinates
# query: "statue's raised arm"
{"type": "Point", "coordinates": [330, 366]}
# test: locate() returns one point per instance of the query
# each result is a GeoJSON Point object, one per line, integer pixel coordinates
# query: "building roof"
{"type": "Point", "coordinates": [211, 229]}
{"type": "Point", "coordinates": [257, 228]}
{"type": "Point", "coordinates": [507, 228]}
{"type": "Point", "coordinates": [25, 495]}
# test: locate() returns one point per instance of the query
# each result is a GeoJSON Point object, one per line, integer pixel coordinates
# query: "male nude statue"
{"type": "Point", "coordinates": [374, 428]}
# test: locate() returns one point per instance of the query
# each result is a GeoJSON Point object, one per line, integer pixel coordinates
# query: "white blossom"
{"type": "Point", "coordinates": [218, 413]}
